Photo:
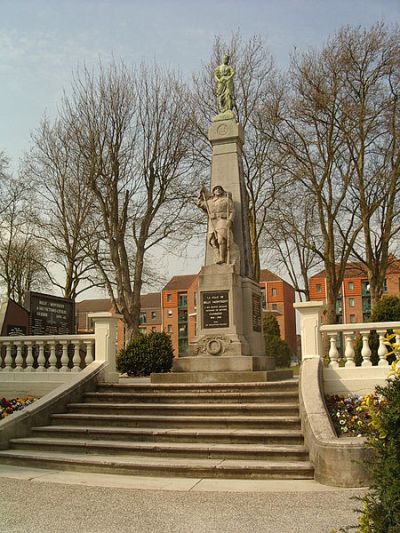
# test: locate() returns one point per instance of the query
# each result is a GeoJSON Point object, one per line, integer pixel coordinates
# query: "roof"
{"type": "Point", "coordinates": [267, 275]}
{"type": "Point", "coordinates": [93, 306]}
{"type": "Point", "coordinates": [358, 269]}
{"type": "Point", "coordinates": [151, 300]}
{"type": "Point", "coordinates": [180, 282]}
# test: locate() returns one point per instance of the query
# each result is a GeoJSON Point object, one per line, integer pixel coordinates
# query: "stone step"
{"type": "Point", "coordinates": [164, 449]}
{"type": "Point", "coordinates": [179, 421]}
{"type": "Point", "coordinates": [249, 409]}
{"type": "Point", "coordinates": [160, 466]}
{"type": "Point", "coordinates": [192, 397]}
{"type": "Point", "coordinates": [236, 436]}
{"type": "Point", "coordinates": [221, 375]}
{"type": "Point", "coordinates": [129, 386]}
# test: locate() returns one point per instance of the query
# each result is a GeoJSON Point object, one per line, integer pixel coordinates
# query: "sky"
{"type": "Point", "coordinates": [43, 41]}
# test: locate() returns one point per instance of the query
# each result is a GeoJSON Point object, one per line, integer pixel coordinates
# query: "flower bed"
{"type": "Point", "coordinates": [354, 415]}
{"type": "Point", "coordinates": [8, 407]}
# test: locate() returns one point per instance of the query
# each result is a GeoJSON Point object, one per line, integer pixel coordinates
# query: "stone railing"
{"type": "Point", "coordinates": [38, 364]}
{"type": "Point", "coordinates": [63, 353]}
{"type": "Point", "coordinates": [340, 373]}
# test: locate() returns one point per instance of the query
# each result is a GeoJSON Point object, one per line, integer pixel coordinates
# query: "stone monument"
{"type": "Point", "coordinates": [229, 342]}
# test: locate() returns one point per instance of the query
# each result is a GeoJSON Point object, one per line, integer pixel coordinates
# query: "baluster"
{"type": "Point", "coordinates": [64, 357]}
{"type": "Point", "coordinates": [41, 359]}
{"type": "Point", "coordinates": [52, 357]}
{"type": "Point", "coordinates": [19, 360]}
{"type": "Point", "coordinates": [366, 350]}
{"type": "Point", "coordinates": [8, 358]}
{"type": "Point", "coordinates": [382, 350]}
{"type": "Point", "coordinates": [89, 352]}
{"type": "Point", "coordinates": [333, 352]}
{"type": "Point", "coordinates": [76, 360]}
{"type": "Point", "coordinates": [349, 350]}
{"type": "Point", "coordinates": [29, 357]}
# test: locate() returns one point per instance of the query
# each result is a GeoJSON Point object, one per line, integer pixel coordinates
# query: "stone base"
{"type": "Point", "coordinates": [260, 376]}
{"type": "Point", "coordinates": [223, 364]}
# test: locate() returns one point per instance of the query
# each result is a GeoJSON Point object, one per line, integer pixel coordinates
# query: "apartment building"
{"type": "Point", "coordinates": [354, 302]}
{"type": "Point", "coordinates": [278, 297]}
{"type": "Point", "coordinates": [150, 315]}
{"type": "Point", "coordinates": [174, 310]}
{"type": "Point", "coordinates": [179, 308]}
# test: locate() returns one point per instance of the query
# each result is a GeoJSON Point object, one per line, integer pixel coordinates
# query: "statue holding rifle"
{"type": "Point", "coordinates": [220, 210]}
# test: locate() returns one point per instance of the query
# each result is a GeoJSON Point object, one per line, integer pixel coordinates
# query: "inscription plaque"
{"type": "Point", "coordinates": [256, 300]}
{"type": "Point", "coordinates": [50, 315]}
{"type": "Point", "coordinates": [215, 306]}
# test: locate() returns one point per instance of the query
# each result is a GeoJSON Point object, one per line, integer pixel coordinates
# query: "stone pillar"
{"type": "Point", "coordinates": [105, 331]}
{"type": "Point", "coordinates": [310, 324]}
{"type": "Point", "coordinates": [227, 138]}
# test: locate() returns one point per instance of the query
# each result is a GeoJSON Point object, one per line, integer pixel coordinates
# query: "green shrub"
{"type": "Point", "coordinates": [271, 325]}
{"type": "Point", "coordinates": [148, 353]}
{"type": "Point", "coordinates": [275, 346]}
{"type": "Point", "coordinates": [278, 349]}
{"type": "Point", "coordinates": [381, 512]}
{"type": "Point", "coordinates": [386, 310]}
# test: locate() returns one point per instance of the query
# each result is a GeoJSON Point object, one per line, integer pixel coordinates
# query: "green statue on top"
{"type": "Point", "coordinates": [223, 76]}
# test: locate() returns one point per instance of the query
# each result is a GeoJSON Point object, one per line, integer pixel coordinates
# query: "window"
{"type": "Point", "coordinates": [352, 318]}
{"type": "Point", "coordinates": [153, 315]}
{"type": "Point", "coordinates": [318, 287]}
{"type": "Point", "coordinates": [182, 300]}
{"type": "Point", "coordinates": [352, 302]}
{"type": "Point", "coordinates": [169, 328]}
{"type": "Point", "coordinates": [142, 318]}
{"type": "Point", "coordinates": [274, 307]}
{"type": "Point", "coordinates": [153, 329]}
{"type": "Point", "coordinates": [385, 285]}
{"type": "Point", "coordinates": [170, 312]}
{"type": "Point", "coordinates": [169, 298]}
{"type": "Point", "coordinates": [351, 286]}
{"type": "Point", "coordinates": [274, 291]}
{"type": "Point", "coordinates": [263, 299]}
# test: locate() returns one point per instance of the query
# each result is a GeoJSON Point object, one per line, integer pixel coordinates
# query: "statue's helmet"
{"type": "Point", "coordinates": [218, 187]}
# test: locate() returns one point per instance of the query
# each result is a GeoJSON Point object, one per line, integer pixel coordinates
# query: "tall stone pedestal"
{"type": "Point", "coordinates": [229, 342]}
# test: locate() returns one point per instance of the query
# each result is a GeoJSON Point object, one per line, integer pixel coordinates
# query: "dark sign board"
{"type": "Point", "coordinates": [256, 301]}
{"type": "Point", "coordinates": [50, 315]}
{"type": "Point", "coordinates": [215, 306]}
{"type": "Point", "coordinates": [16, 331]}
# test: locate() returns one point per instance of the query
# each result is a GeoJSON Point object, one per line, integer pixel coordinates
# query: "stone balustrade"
{"type": "Point", "coordinates": [340, 375]}
{"type": "Point", "coordinates": [36, 365]}
{"type": "Point", "coordinates": [350, 333]}
{"type": "Point", "coordinates": [61, 353]}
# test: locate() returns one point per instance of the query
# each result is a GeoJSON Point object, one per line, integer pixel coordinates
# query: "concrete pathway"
{"type": "Point", "coordinates": [50, 501]}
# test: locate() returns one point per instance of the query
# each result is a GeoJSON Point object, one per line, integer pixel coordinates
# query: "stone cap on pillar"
{"type": "Point", "coordinates": [225, 131]}
{"type": "Point", "coordinates": [105, 315]}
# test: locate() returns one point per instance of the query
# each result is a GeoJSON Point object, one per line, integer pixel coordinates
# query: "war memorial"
{"type": "Point", "coordinates": [229, 344]}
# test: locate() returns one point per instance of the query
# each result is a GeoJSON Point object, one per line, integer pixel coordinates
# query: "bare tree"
{"type": "Point", "coordinates": [305, 120]}
{"type": "Point", "coordinates": [22, 258]}
{"type": "Point", "coordinates": [55, 168]}
{"type": "Point", "coordinates": [371, 59]}
{"type": "Point", "coordinates": [290, 227]}
{"type": "Point", "coordinates": [254, 74]}
{"type": "Point", "coordinates": [130, 130]}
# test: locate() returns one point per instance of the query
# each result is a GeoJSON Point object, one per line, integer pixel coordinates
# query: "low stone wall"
{"type": "Point", "coordinates": [337, 461]}
{"type": "Point", "coordinates": [19, 423]}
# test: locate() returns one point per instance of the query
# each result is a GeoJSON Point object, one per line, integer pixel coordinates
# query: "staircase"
{"type": "Point", "coordinates": [247, 430]}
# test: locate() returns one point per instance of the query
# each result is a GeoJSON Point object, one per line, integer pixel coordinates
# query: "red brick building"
{"type": "Point", "coordinates": [179, 308]}
{"type": "Point", "coordinates": [174, 310]}
{"type": "Point", "coordinates": [278, 297]}
{"type": "Point", "coordinates": [150, 315]}
{"type": "Point", "coordinates": [179, 311]}
{"type": "Point", "coordinates": [354, 302]}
